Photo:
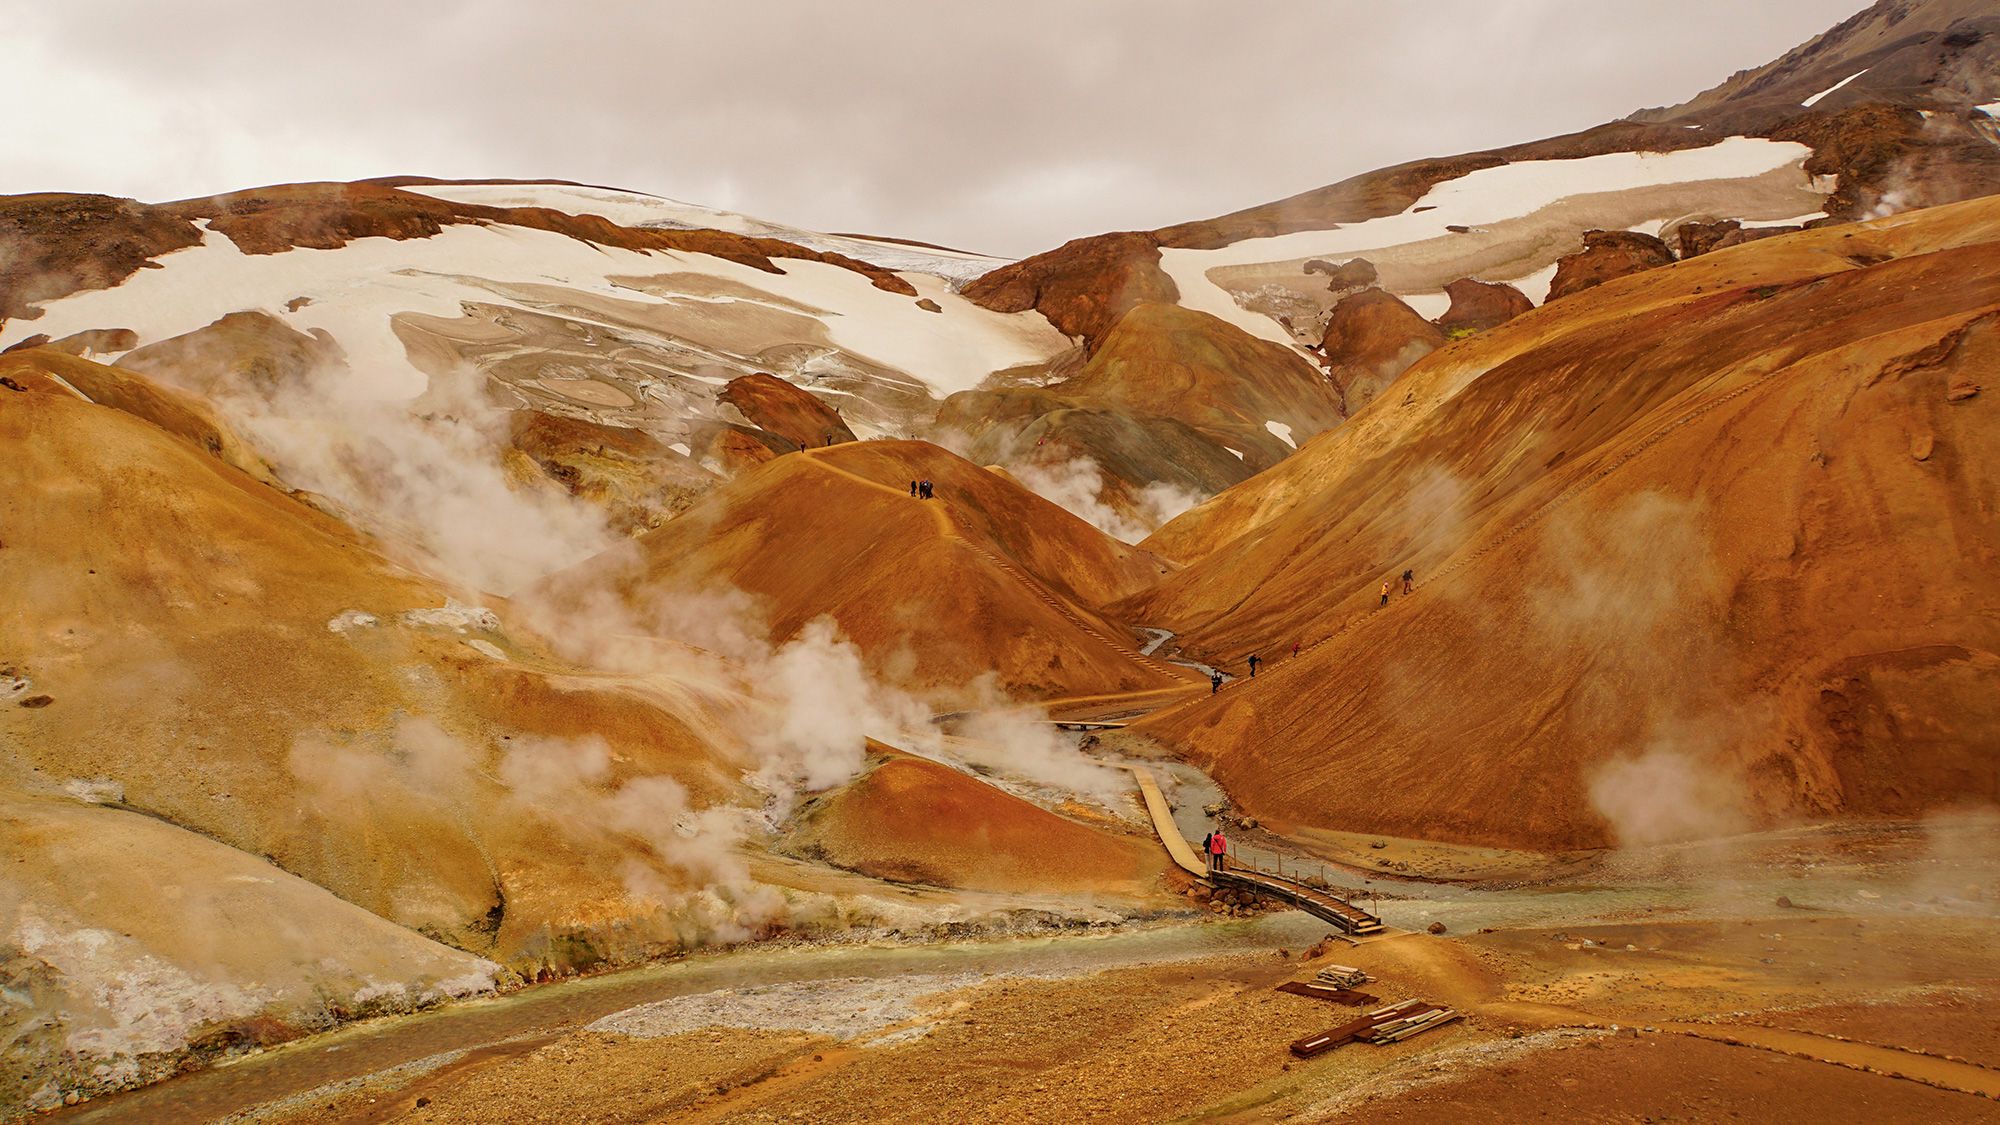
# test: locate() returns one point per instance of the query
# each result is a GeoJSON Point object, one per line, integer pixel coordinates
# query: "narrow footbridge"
{"type": "Point", "coordinates": [1340, 913]}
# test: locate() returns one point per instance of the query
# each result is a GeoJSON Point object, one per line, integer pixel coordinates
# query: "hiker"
{"type": "Point", "coordinates": [913, 488]}
{"type": "Point", "coordinates": [1218, 851]}
{"type": "Point", "coordinates": [1295, 650]}
{"type": "Point", "coordinates": [1385, 591]}
{"type": "Point", "coordinates": [1214, 682]}
{"type": "Point", "coordinates": [1254, 661]}
{"type": "Point", "coordinates": [829, 437]}
{"type": "Point", "coordinates": [1409, 576]}
{"type": "Point", "coordinates": [924, 490]}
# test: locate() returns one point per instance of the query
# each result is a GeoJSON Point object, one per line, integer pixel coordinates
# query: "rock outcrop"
{"type": "Point", "coordinates": [1606, 256]}
{"type": "Point", "coordinates": [1372, 337]}
{"type": "Point", "coordinates": [1083, 286]}
{"type": "Point", "coordinates": [1479, 305]}
{"type": "Point", "coordinates": [1354, 273]}
{"type": "Point", "coordinates": [773, 405]}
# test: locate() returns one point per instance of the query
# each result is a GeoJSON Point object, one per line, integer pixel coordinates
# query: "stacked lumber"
{"type": "Point", "coordinates": [1401, 1021]}
{"type": "Point", "coordinates": [1319, 991]}
{"type": "Point", "coordinates": [1341, 976]}
{"type": "Point", "coordinates": [1382, 1026]}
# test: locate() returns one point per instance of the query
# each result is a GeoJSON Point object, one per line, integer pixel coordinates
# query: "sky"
{"type": "Point", "coordinates": [1001, 127]}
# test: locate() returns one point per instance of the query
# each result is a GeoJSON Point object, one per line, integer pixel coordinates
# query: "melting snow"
{"type": "Point", "coordinates": [1430, 306]}
{"type": "Point", "coordinates": [1237, 452]}
{"type": "Point", "coordinates": [637, 209]}
{"type": "Point", "coordinates": [1794, 221]}
{"type": "Point", "coordinates": [1535, 286]}
{"type": "Point", "coordinates": [1282, 432]}
{"type": "Point", "coordinates": [1489, 195]}
{"type": "Point", "coordinates": [1814, 100]}
{"type": "Point", "coordinates": [357, 289]}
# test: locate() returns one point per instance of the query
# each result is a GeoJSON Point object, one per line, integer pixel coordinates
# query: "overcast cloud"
{"type": "Point", "coordinates": [1005, 127]}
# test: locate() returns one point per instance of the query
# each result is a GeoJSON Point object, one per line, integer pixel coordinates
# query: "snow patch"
{"type": "Point", "coordinates": [681, 448]}
{"type": "Point", "coordinates": [1430, 306]}
{"type": "Point", "coordinates": [358, 288]}
{"type": "Point", "coordinates": [1814, 100]}
{"type": "Point", "coordinates": [1282, 432]}
{"type": "Point", "coordinates": [1535, 286]}
{"type": "Point", "coordinates": [637, 209]}
{"type": "Point", "coordinates": [1236, 452]}
{"type": "Point", "coordinates": [1489, 195]}
{"type": "Point", "coordinates": [1794, 221]}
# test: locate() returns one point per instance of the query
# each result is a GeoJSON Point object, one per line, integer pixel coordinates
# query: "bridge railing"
{"type": "Point", "coordinates": [1311, 875]}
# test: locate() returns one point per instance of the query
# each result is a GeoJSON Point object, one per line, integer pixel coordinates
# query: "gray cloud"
{"type": "Point", "coordinates": [1006, 128]}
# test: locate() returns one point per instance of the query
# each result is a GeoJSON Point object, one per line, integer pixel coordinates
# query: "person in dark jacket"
{"type": "Point", "coordinates": [913, 488]}
{"type": "Point", "coordinates": [1254, 661]}
{"type": "Point", "coordinates": [1214, 682]}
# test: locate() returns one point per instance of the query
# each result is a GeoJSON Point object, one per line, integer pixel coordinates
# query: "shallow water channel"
{"type": "Point", "coordinates": [552, 1009]}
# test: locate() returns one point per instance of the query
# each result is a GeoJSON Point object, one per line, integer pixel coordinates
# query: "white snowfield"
{"type": "Point", "coordinates": [637, 209]}
{"type": "Point", "coordinates": [1815, 99]}
{"type": "Point", "coordinates": [355, 290]}
{"type": "Point", "coordinates": [1489, 195]}
{"type": "Point", "coordinates": [1282, 432]}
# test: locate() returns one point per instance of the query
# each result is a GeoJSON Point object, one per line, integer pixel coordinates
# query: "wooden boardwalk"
{"type": "Point", "coordinates": [1344, 915]}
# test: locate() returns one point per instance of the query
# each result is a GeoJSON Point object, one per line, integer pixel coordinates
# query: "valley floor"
{"type": "Point", "coordinates": [1670, 984]}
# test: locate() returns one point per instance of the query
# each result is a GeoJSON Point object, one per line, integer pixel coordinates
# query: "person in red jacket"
{"type": "Point", "coordinates": [1218, 850]}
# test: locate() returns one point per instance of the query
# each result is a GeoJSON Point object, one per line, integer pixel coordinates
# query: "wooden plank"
{"type": "Point", "coordinates": [1327, 992]}
{"type": "Point", "coordinates": [1327, 1040]}
{"type": "Point", "coordinates": [1163, 823]}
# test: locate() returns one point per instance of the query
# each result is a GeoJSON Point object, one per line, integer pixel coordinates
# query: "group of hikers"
{"type": "Point", "coordinates": [1215, 676]}
{"type": "Point", "coordinates": [1409, 584]}
{"type": "Point", "coordinates": [921, 489]}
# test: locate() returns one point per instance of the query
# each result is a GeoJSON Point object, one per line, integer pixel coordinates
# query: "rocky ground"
{"type": "Point", "coordinates": [1662, 986]}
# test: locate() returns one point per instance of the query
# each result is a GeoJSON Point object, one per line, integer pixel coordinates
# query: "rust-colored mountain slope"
{"type": "Point", "coordinates": [1171, 395]}
{"type": "Point", "coordinates": [988, 577]}
{"type": "Point", "coordinates": [911, 820]}
{"type": "Point", "coordinates": [1715, 542]}
{"type": "Point", "coordinates": [251, 670]}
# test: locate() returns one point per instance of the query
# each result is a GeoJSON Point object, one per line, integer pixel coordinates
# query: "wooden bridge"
{"type": "Point", "coordinates": [1338, 912]}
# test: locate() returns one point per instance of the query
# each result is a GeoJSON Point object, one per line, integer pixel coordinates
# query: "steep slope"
{"type": "Point", "coordinates": [910, 820]}
{"type": "Point", "coordinates": [244, 667]}
{"type": "Point", "coordinates": [1171, 398]}
{"type": "Point", "coordinates": [987, 579]}
{"type": "Point", "coordinates": [1698, 548]}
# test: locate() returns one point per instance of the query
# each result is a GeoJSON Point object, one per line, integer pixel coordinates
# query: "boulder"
{"type": "Point", "coordinates": [1479, 305]}
{"type": "Point", "coordinates": [1606, 256]}
{"type": "Point", "coordinates": [1354, 273]}
{"type": "Point", "coordinates": [1372, 337]}
{"type": "Point", "coordinates": [1695, 238]}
